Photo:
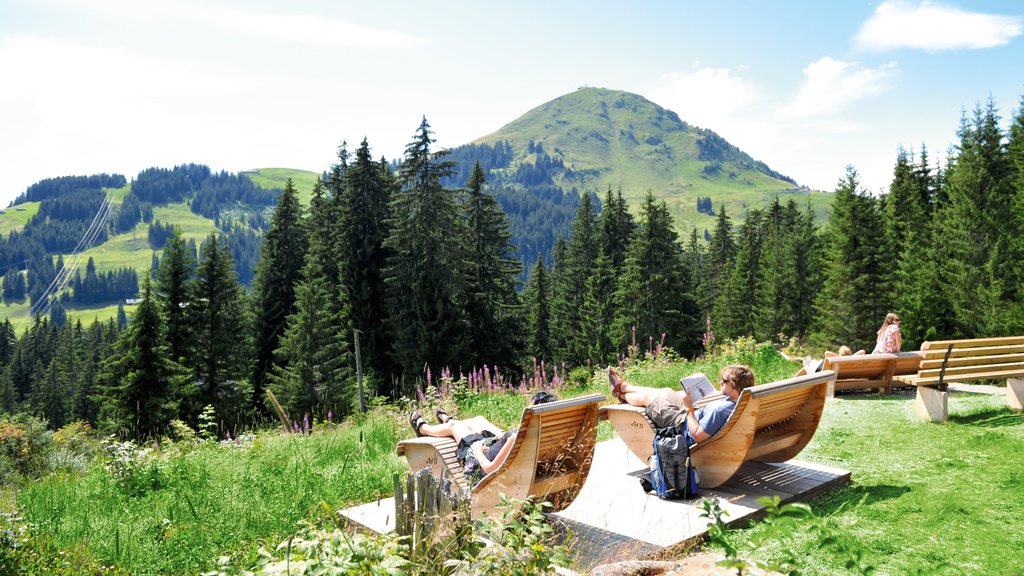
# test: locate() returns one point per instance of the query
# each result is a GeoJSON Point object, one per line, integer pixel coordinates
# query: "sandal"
{"type": "Point", "coordinates": [442, 415]}
{"type": "Point", "coordinates": [616, 382]}
{"type": "Point", "coordinates": [416, 420]}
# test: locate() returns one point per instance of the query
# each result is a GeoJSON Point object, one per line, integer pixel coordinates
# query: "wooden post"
{"type": "Point", "coordinates": [1015, 393]}
{"type": "Point", "coordinates": [931, 404]}
{"type": "Point", "coordinates": [359, 375]}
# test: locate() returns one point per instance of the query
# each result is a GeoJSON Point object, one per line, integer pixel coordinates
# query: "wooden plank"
{"type": "Point", "coordinates": [973, 372]}
{"type": "Point", "coordinates": [973, 342]}
{"type": "Point", "coordinates": [973, 361]}
{"type": "Point", "coordinates": [931, 381]}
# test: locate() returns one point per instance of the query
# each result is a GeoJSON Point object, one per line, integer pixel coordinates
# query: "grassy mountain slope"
{"type": "Point", "coordinates": [622, 140]}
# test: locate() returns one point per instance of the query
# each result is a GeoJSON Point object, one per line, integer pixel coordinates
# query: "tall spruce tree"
{"type": "Point", "coordinates": [538, 313]}
{"type": "Point", "coordinates": [424, 277]}
{"type": "Point", "coordinates": [278, 271]}
{"type": "Point", "coordinates": [310, 376]}
{"type": "Point", "coordinates": [140, 381]}
{"type": "Point", "coordinates": [853, 299]}
{"type": "Point", "coordinates": [735, 306]}
{"type": "Point", "coordinates": [598, 317]}
{"type": "Point", "coordinates": [974, 222]}
{"type": "Point", "coordinates": [720, 255]}
{"type": "Point", "coordinates": [173, 294]}
{"type": "Point", "coordinates": [567, 303]}
{"type": "Point", "coordinates": [655, 295]}
{"type": "Point", "coordinates": [492, 303]}
{"type": "Point", "coordinates": [221, 359]}
{"type": "Point", "coordinates": [364, 213]}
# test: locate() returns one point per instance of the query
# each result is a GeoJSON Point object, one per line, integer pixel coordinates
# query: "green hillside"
{"type": "Point", "coordinates": [618, 139]}
{"type": "Point", "coordinates": [303, 180]}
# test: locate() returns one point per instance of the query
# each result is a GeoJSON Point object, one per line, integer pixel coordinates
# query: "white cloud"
{"type": "Point", "coordinates": [929, 26]}
{"type": "Point", "coordinates": [317, 30]}
{"type": "Point", "coordinates": [707, 97]}
{"type": "Point", "coordinates": [831, 85]}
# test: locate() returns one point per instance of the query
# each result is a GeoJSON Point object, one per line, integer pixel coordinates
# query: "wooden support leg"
{"type": "Point", "coordinates": [1015, 393]}
{"type": "Point", "coordinates": [931, 404]}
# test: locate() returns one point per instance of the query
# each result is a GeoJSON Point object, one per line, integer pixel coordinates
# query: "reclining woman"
{"type": "Point", "coordinates": [670, 407]}
{"type": "Point", "coordinates": [483, 447]}
{"type": "Point", "coordinates": [812, 365]}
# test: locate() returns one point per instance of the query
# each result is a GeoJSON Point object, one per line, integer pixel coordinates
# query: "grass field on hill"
{"type": "Point", "coordinates": [15, 217]}
{"type": "Point", "coordinates": [922, 494]}
{"type": "Point", "coordinates": [303, 180]}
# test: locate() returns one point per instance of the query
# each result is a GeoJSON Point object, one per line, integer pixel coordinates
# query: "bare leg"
{"type": "Point", "coordinates": [459, 429]}
{"type": "Point", "coordinates": [642, 395]}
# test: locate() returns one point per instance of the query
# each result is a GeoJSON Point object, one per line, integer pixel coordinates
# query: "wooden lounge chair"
{"type": "Point", "coordinates": [549, 460]}
{"type": "Point", "coordinates": [966, 360]}
{"type": "Point", "coordinates": [771, 423]}
{"type": "Point", "coordinates": [871, 371]}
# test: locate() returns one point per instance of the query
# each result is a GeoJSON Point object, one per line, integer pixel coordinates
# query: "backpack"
{"type": "Point", "coordinates": [672, 474]}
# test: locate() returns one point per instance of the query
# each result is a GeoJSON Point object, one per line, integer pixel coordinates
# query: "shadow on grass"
{"type": "Point", "coordinates": [851, 496]}
{"type": "Point", "coordinates": [989, 418]}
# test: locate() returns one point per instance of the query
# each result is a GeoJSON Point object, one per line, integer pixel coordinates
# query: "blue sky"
{"type": "Point", "coordinates": [808, 87]}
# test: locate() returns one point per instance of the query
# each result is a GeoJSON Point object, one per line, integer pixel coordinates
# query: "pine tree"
{"type": "Point", "coordinates": [735, 306]}
{"type": "Point", "coordinates": [492, 303]}
{"type": "Point", "coordinates": [309, 377]}
{"type": "Point", "coordinates": [172, 292]}
{"type": "Point", "coordinates": [720, 254]}
{"type": "Point", "coordinates": [140, 381]}
{"type": "Point", "coordinates": [278, 271]}
{"type": "Point", "coordinates": [598, 317]}
{"type": "Point", "coordinates": [538, 323]}
{"type": "Point", "coordinates": [424, 277]}
{"type": "Point", "coordinates": [567, 304]}
{"type": "Point", "coordinates": [975, 226]}
{"type": "Point", "coordinates": [364, 213]}
{"type": "Point", "coordinates": [853, 298]}
{"type": "Point", "coordinates": [615, 227]}
{"type": "Point", "coordinates": [220, 362]}
{"type": "Point", "coordinates": [654, 295]}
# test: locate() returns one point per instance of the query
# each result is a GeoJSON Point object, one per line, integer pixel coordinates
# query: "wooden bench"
{"type": "Point", "coordinates": [771, 423]}
{"type": "Point", "coordinates": [945, 361]}
{"type": "Point", "coordinates": [549, 460]}
{"type": "Point", "coordinates": [871, 371]}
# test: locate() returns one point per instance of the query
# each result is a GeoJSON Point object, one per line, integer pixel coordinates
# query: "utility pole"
{"type": "Point", "coordinates": [359, 375]}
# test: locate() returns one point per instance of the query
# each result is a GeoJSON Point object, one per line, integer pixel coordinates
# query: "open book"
{"type": "Point", "coordinates": [697, 386]}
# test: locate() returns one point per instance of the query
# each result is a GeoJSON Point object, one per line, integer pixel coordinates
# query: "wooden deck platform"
{"type": "Point", "coordinates": [612, 519]}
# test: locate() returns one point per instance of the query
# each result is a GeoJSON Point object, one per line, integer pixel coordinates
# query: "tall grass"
{"type": "Point", "coordinates": [922, 493]}
{"type": "Point", "coordinates": [216, 498]}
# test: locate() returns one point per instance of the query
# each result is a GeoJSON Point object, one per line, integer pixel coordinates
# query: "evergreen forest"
{"type": "Point", "coordinates": [398, 272]}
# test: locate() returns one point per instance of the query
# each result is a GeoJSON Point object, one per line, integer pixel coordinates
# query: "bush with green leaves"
{"type": "Point", "coordinates": [135, 470]}
{"type": "Point", "coordinates": [517, 543]}
{"type": "Point", "coordinates": [25, 448]}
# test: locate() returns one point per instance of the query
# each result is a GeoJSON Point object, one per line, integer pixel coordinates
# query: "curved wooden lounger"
{"type": "Point", "coordinates": [872, 371]}
{"type": "Point", "coordinates": [771, 423]}
{"type": "Point", "coordinates": [550, 456]}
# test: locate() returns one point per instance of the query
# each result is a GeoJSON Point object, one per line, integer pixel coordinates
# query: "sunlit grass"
{"type": "Point", "coordinates": [931, 492]}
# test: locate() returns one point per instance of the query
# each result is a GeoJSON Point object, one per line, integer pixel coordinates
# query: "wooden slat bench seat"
{"type": "Point", "coordinates": [771, 423]}
{"type": "Point", "coordinates": [871, 371]}
{"type": "Point", "coordinates": [966, 360]}
{"type": "Point", "coordinates": [549, 460]}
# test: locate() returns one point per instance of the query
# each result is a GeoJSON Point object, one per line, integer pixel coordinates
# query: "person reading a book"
{"type": "Point", "coordinates": [670, 407]}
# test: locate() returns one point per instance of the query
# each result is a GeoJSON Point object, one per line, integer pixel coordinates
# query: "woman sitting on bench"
{"type": "Point", "coordinates": [483, 447]}
{"type": "Point", "coordinates": [670, 407]}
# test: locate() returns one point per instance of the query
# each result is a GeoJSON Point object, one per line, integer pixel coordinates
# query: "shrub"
{"type": "Point", "coordinates": [75, 447]}
{"type": "Point", "coordinates": [133, 469]}
{"type": "Point", "coordinates": [25, 447]}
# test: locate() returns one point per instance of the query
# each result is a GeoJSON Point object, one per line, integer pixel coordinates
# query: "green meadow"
{"type": "Point", "coordinates": [924, 498]}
